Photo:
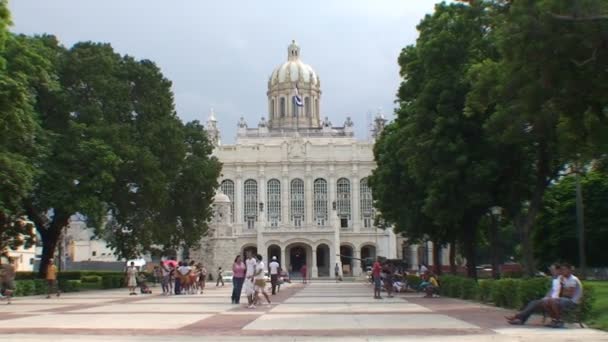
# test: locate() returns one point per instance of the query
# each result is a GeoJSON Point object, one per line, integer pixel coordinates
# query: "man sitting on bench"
{"type": "Point", "coordinates": [571, 295]}
{"type": "Point", "coordinates": [521, 317]}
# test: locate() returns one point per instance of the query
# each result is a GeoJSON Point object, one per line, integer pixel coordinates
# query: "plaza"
{"type": "Point", "coordinates": [318, 311]}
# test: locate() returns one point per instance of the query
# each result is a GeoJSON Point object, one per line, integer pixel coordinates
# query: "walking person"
{"type": "Point", "coordinates": [304, 272]}
{"type": "Point", "coordinates": [249, 287]}
{"type": "Point", "coordinates": [376, 270]}
{"type": "Point", "coordinates": [7, 280]}
{"type": "Point", "coordinates": [165, 278]}
{"type": "Point", "coordinates": [51, 279]}
{"type": "Point", "coordinates": [388, 279]}
{"type": "Point", "coordinates": [202, 279]}
{"type": "Point", "coordinates": [274, 274]}
{"type": "Point", "coordinates": [220, 277]}
{"type": "Point", "coordinates": [131, 278]}
{"type": "Point", "coordinates": [178, 279]}
{"type": "Point", "coordinates": [337, 273]}
{"type": "Point", "coordinates": [238, 277]}
{"type": "Point", "coordinates": [260, 281]}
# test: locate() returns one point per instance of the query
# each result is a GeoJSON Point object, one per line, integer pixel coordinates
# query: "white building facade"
{"type": "Point", "coordinates": [295, 186]}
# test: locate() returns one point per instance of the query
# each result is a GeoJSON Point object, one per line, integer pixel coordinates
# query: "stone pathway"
{"type": "Point", "coordinates": [315, 312]}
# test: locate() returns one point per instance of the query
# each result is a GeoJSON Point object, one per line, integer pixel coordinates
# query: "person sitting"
{"type": "Point", "coordinates": [570, 298]}
{"type": "Point", "coordinates": [432, 287]}
{"type": "Point", "coordinates": [521, 317]}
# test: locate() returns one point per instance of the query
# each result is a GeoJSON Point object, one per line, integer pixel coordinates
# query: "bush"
{"type": "Point", "coordinates": [24, 288]}
{"type": "Point", "coordinates": [90, 279]}
{"type": "Point", "coordinates": [586, 308]}
{"type": "Point", "coordinates": [486, 287]}
{"type": "Point", "coordinates": [40, 286]}
{"type": "Point", "coordinates": [112, 281]}
{"type": "Point", "coordinates": [531, 289]}
{"type": "Point", "coordinates": [469, 289]}
{"type": "Point", "coordinates": [504, 293]}
{"type": "Point", "coordinates": [69, 285]}
{"type": "Point", "coordinates": [413, 281]}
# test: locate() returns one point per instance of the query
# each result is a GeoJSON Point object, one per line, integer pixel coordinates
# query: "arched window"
{"type": "Point", "coordinates": [227, 188]}
{"type": "Point", "coordinates": [282, 109]}
{"type": "Point", "coordinates": [250, 202]}
{"type": "Point", "coordinates": [343, 201]}
{"type": "Point", "coordinates": [320, 201]}
{"type": "Point", "coordinates": [271, 109]}
{"type": "Point", "coordinates": [366, 203]}
{"type": "Point", "coordinates": [297, 202]}
{"type": "Point", "coordinates": [317, 108]}
{"type": "Point", "coordinates": [307, 106]}
{"type": "Point", "coordinates": [273, 199]}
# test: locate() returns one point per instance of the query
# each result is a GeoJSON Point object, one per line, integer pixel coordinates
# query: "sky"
{"type": "Point", "coordinates": [220, 54]}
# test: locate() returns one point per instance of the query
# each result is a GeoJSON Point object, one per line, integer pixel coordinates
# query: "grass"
{"type": "Point", "coordinates": [600, 306]}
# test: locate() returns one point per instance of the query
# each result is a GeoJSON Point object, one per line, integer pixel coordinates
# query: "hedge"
{"type": "Point", "coordinates": [508, 292]}
{"type": "Point", "coordinates": [39, 287]}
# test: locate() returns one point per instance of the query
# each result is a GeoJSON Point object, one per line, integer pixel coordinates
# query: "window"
{"type": "Point", "coordinates": [297, 202]}
{"type": "Point", "coordinates": [250, 202]}
{"type": "Point", "coordinates": [320, 201]}
{"type": "Point", "coordinates": [282, 109]}
{"type": "Point", "coordinates": [94, 253]}
{"type": "Point", "coordinates": [317, 112]}
{"type": "Point", "coordinates": [307, 106]}
{"type": "Point", "coordinates": [227, 188]}
{"type": "Point", "coordinates": [366, 204]}
{"type": "Point", "coordinates": [273, 198]}
{"type": "Point", "coordinates": [343, 200]}
{"type": "Point", "coordinates": [272, 108]}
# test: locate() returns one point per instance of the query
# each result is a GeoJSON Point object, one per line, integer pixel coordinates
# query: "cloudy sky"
{"type": "Point", "coordinates": [219, 54]}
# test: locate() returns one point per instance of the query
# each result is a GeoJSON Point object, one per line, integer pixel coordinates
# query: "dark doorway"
{"type": "Point", "coordinates": [274, 251]}
{"type": "Point", "coordinates": [252, 249]}
{"type": "Point", "coordinates": [297, 258]}
{"type": "Point", "coordinates": [346, 258]}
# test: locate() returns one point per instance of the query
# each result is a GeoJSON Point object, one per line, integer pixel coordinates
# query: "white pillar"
{"type": "Point", "coordinates": [284, 259]}
{"type": "Point", "coordinates": [336, 247]}
{"type": "Point", "coordinates": [356, 219]}
{"type": "Point", "coordinates": [285, 197]}
{"type": "Point", "coordinates": [315, 270]}
{"type": "Point", "coordinates": [356, 262]}
{"type": "Point", "coordinates": [414, 256]}
{"type": "Point", "coordinates": [308, 198]}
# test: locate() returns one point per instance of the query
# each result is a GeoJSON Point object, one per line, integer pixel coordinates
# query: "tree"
{"type": "Point", "coordinates": [544, 98]}
{"type": "Point", "coordinates": [18, 129]}
{"type": "Point", "coordinates": [556, 235]}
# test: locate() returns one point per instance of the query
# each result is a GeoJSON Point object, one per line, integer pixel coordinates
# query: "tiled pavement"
{"type": "Point", "coordinates": [314, 312]}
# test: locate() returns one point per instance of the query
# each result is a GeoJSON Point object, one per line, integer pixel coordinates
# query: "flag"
{"type": "Point", "coordinates": [297, 99]}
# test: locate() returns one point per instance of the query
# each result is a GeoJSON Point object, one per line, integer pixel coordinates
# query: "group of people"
{"type": "Point", "coordinates": [250, 277]}
{"type": "Point", "coordinates": [7, 279]}
{"type": "Point", "coordinates": [382, 276]}
{"type": "Point", "coordinates": [385, 276]}
{"type": "Point", "coordinates": [565, 294]}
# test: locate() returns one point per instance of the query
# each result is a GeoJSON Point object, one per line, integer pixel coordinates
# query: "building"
{"type": "Point", "coordinates": [295, 186]}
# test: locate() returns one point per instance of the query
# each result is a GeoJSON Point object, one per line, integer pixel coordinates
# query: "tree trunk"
{"type": "Point", "coordinates": [494, 248]}
{"type": "Point", "coordinates": [453, 268]}
{"type": "Point", "coordinates": [470, 251]}
{"type": "Point", "coordinates": [437, 258]}
{"type": "Point", "coordinates": [49, 232]}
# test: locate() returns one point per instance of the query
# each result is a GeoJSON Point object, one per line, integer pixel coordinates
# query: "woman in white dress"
{"type": "Point", "coordinates": [132, 278]}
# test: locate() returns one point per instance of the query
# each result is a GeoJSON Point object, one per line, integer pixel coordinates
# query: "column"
{"type": "Point", "coordinates": [429, 256]}
{"type": "Point", "coordinates": [285, 197]}
{"type": "Point", "coordinates": [414, 257]}
{"type": "Point", "coordinates": [284, 259]}
{"type": "Point", "coordinates": [331, 189]}
{"type": "Point", "coordinates": [336, 248]}
{"type": "Point", "coordinates": [356, 262]}
{"type": "Point", "coordinates": [355, 198]}
{"type": "Point", "coordinates": [261, 199]}
{"type": "Point", "coordinates": [308, 198]}
{"type": "Point", "coordinates": [315, 270]}
{"type": "Point", "coordinates": [238, 198]}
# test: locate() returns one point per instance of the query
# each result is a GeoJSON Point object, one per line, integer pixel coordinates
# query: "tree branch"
{"type": "Point", "coordinates": [588, 60]}
{"type": "Point", "coordinates": [577, 18]}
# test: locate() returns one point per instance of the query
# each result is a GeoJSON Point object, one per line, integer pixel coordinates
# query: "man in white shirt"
{"type": "Point", "coordinates": [248, 286]}
{"type": "Point", "coordinates": [274, 273]}
{"type": "Point", "coordinates": [571, 296]}
{"type": "Point", "coordinates": [260, 281]}
{"type": "Point", "coordinates": [521, 317]}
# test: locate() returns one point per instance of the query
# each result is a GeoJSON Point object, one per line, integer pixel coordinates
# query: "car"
{"type": "Point", "coordinates": [227, 276]}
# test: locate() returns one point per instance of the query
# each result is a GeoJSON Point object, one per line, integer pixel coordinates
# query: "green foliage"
{"type": "Point", "coordinates": [112, 281]}
{"type": "Point", "coordinates": [469, 289]}
{"type": "Point", "coordinates": [556, 232]}
{"type": "Point", "coordinates": [599, 311]}
{"type": "Point", "coordinates": [413, 281]}
{"type": "Point", "coordinates": [533, 288]}
{"type": "Point", "coordinates": [486, 288]}
{"type": "Point", "coordinates": [70, 285]}
{"type": "Point", "coordinates": [90, 279]}
{"type": "Point", "coordinates": [24, 288]}
{"type": "Point", "coordinates": [505, 293]}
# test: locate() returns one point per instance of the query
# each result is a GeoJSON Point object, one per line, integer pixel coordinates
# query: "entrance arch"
{"type": "Point", "coordinates": [274, 251]}
{"type": "Point", "coordinates": [346, 258]}
{"type": "Point", "coordinates": [368, 256]}
{"type": "Point", "coordinates": [323, 266]}
{"type": "Point", "coordinates": [298, 254]}
{"type": "Point", "coordinates": [249, 248]}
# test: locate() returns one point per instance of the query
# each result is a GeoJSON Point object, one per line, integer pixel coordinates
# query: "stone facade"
{"type": "Point", "coordinates": [296, 187]}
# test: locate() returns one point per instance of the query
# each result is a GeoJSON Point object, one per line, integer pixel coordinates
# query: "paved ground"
{"type": "Point", "coordinates": [315, 312]}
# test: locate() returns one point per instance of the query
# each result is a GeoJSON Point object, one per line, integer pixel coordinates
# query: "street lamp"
{"type": "Point", "coordinates": [496, 214]}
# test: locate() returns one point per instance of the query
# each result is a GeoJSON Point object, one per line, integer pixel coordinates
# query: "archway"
{"type": "Point", "coordinates": [368, 256]}
{"type": "Point", "coordinates": [298, 255]}
{"type": "Point", "coordinates": [323, 266]}
{"type": "Point", "coordinates": [346, 258]}
{"type": "Point", "coordinates": [249, 248]}
{"type": "Point", "coordinates": [274, 251]}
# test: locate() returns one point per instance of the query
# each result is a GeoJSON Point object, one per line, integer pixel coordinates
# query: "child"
{"type": "Point", "coordinates": [219, 277]}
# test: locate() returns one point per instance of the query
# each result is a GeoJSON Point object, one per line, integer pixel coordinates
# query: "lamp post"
{"type": "Point", "coordinates": [496, 214]}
